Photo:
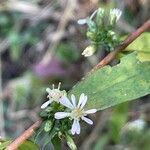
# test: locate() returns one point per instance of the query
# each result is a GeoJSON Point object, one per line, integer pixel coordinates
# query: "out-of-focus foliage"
{"type": "Point", "coordinates": [141, 45]}
{"type": "Point", "coordinates": [26, 145]}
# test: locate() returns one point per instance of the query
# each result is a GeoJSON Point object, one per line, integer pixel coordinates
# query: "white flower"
{"type": "Point", "coordinates": [115, 14]}
{"type": "Point", "coordinates": [89, 51]}
{"type": "Point", "coordinates": [53, 95]}
{"type": "Point", "coordinates": [77, 112]}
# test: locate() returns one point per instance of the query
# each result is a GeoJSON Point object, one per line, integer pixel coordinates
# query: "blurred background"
{"type": "Point", "coordinates": [41, 44]}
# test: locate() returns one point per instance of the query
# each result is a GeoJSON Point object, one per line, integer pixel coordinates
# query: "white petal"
{"type": "Point", "coordinates": [66, 102]}
{"type": "Point", "coordinates": [48, 90]}
{"type": "Point", "coordinates": [45, 104]}
{"type": "Point", "coordinates": [61, 115]}
{"type": "Point", "coordinates": [75, 127]}
{"type": "Point", "coordinates": [91, 111]}
{"type": "Point", "coordinates": [84, 102]}
{"type": "Point", "coordinates": [78, 128]}
{"type": "Point", "coordinates": [73, 99]}
{"type": "Point", "coordinates": [82, 21]}
{"type": "Point", "coordinates": [87, 120]}
{"type": "Point", "coordinates": [81, 99]}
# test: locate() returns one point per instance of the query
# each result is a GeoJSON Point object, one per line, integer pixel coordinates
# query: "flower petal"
{"type": "Point", "coordinates": [91, 111]}
{"type": "Point", "coordinates": [45, 104]}
{"type": "Point", "coordinates": [48, 90]}
{"type": "Point", "coordinates": [87, 120]}
{"type": "Point", "coordinates": [73, 99]}
{"type": "Point", "coordinates": [66, 102]}
{"type": "Point", "coordinates": [75, 127]}
{"type": "Point", "coordinates": [61, 115]}
{"type": "Point", "coordinates": [84, 102]}
{"type": "Point", "coordinates": [82, 21]}
{"type": "Point", "coordinates": [78, 128]}
{"type": "Point", "coordinates": [81, 99]}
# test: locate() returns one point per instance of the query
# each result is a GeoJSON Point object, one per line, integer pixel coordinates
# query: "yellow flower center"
{"type": "Point", "coordinates": [77, 113]}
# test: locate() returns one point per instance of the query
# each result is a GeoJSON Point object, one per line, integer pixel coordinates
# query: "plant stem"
{"type": "Point", "coordinates": [14, 145]}
{"type": "Point", "coordinates": [122, 46]}
{"type": "Point", "coordinates": [24, 136]}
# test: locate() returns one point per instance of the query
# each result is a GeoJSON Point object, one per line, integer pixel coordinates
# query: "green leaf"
{"type": "Point", "coordinates": [4, 144]}
{"type": "Point", "coordinates": [56, 142]}
{"type": "Point", "coordinates": [70, 142]}
{"type": "Point", "coordinates": [143, 56]}
{"type": "Point", "coordinates": [27, 145]}
{"type": "Point", "coordinates": [48, 125]}
{"type": "Point", "coordinates": [141, 44]}
{"type": "Point", "coordinates": [110, 86]}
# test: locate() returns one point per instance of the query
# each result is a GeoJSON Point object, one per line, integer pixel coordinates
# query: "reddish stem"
{"type": "Point", "coordinates": [122, 46]}
{"type": "Point", "coordinates": [24, 136]}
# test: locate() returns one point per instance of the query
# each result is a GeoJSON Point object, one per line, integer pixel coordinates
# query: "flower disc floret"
{"type": "Point", "coordinates": [54, 95]}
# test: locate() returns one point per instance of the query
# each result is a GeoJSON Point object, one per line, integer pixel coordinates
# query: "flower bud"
{"type": "Point", "coordinates": [89, 51]}
{"type": "Point", "coordinates": [115, 15]}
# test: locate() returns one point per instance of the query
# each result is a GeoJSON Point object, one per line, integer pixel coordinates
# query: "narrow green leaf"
{"type": "Point", "coordinates": [110, 86]}
{"type": "Point", "coordinates": [56, 141]}
{"type": "Point", "coordinates": [28, 145]}
{"type": "Point", "coordinates": [70, 142]}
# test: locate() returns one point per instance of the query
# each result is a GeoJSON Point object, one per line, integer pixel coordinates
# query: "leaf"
{"type": "Point", "coordinates": [27, 145]}
{"type": "Point", "coordinates": [143, 56]}
{"type": "Point", "coordinates": [4, 144]}
{"type": "Point", "coordinates": [70, 142]}
{"type": "Point", "coordinates": [48, 125]}
{"type": "Point", "coordinates": [110, 86]}
{"type": "Point", "coordinates": [141, 44]}
{"type": "Point", "coordinates": [56, 142]}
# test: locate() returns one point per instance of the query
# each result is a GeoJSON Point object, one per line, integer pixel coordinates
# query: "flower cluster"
{"type": "Point", "coordinates": [74, 111]}
{"type": "Point", "coordinates": [53, 95]}
{"type": "Point", "coordinates": [100, 30]}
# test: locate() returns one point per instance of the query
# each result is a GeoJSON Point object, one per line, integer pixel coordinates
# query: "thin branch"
{"type": "Point", "coordinates": [14, 145]}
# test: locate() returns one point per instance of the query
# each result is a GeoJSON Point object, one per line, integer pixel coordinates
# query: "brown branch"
{"type": "Point", "coordinates": [14, 145]}
{"type": "Point", "coordinates": [21, 139]}
{"type": "Point", "coordinates": [122, 46]}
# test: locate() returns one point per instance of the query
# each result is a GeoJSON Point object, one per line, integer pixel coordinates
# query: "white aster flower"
{"type": "Point", "coordinates": [89, 51]}
{"type": "Point", "coordinates": [53, 95]}
{"type": "Point", "coordinates": [77, 112]}
{"type": "Point", "coordinates": [115, 14]}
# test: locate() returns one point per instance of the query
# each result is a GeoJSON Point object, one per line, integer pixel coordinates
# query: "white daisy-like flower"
{"type": "Point", "coordinates": [115, 14]}
{"type": "Point", "coordinates": [89, 51]}
{"type": "Point", "coordinates": [77, 112]}
{"type": "Point", "coordinates": [53, 95]}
